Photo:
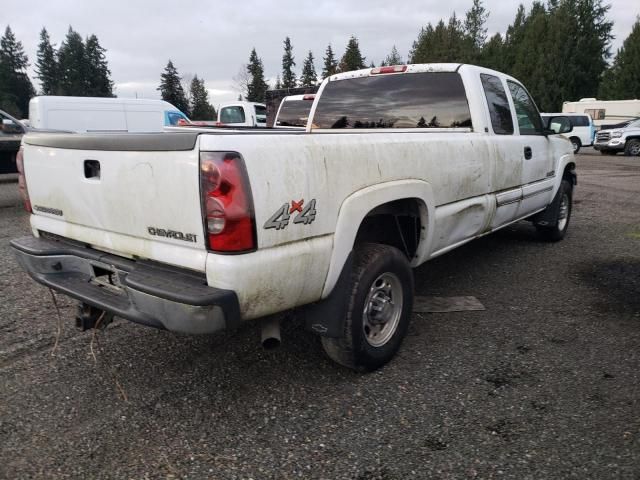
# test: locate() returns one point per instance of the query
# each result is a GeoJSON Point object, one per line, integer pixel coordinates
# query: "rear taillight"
{"type": "Point", "coordinates": [310, 96]}
{"type": "Point", "coordinates": [227, 204]}
{"type": "Point", "coordinates": [22, 180]}
{"type": "Point", "coordinates": [392, 69]}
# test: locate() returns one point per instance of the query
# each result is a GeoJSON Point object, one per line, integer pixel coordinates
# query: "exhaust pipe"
{"type": "Point", "coordinates": [270, 336]}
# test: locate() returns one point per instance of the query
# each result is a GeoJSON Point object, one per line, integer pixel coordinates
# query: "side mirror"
{"type": "Point", "coordinates": [10, 127]}
{"type": "Point", "coordinates": [559, 125]}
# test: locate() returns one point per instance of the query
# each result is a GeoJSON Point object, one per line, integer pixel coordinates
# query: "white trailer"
{"type": "Point", "coordinates": [604, 112]}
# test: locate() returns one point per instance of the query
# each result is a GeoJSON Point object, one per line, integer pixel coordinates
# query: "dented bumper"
{"type": "Point", "coordinates": [143, 292]}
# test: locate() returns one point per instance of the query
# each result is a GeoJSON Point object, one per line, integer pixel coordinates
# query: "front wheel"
{"type": "Point", "coordinates": [562, 203]}
{"type": "Point", "coordinates": [576, 144]}
{"type": "Point", "coordinates": [380, 304]}
{"type": "Point", "coordinates": [632, 148]}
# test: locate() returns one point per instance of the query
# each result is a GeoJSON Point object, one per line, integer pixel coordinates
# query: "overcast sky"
{"type": "Point", "coordinates": [213, 39]}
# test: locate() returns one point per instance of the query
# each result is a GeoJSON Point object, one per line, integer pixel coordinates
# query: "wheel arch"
{"type": "Point", "coordinates": [360, 204]}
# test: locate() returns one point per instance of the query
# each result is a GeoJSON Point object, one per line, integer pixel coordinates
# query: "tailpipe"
{"type": "Point", "coordinates": [270, 336]}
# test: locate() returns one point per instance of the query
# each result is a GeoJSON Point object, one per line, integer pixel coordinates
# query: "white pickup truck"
{"type": "Point", "coordinates": [198, 230]}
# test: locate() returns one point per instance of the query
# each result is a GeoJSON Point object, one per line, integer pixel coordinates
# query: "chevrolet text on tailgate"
{"type": "Point", "coordinates": [198, 230]}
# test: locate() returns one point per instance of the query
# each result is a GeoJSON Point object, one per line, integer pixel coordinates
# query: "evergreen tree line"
{"type": "Point", "coordinates": [560, 49]}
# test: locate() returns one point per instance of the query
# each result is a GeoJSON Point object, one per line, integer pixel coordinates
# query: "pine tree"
{"type": "Point", "coordinates": [394, 58]}
{"type": "Point", "coordinates": [330, 63]}
{"type": "Point", "coordinates": [47, 65]}
{"type": "Point", "coordinates": [257, 87]}
{"type": "Point", "coordinates": [309, 76]}
{"type": "Point", "coordinates": [622, 80]}
{"type": "Point", "coordinates": [288, 75]}
{"type": "Point", "coordinates": [15, 87]}
{"type": "Point", "coordinates": [201, 109]}
{"type": "Point", "coordinates": [492, 53]}
{"type": "Point", "coordinates": [278, 84]}
{"type": "Point", "coordinates": [72, 66]}
{"type": "Point", "coordinates": [474, 24]}
{"type": "Point", "coordinates": [442, 43]}
{"type": "Point", "coordinates": [171, 89]}
{"type": "Point", "coordinates": [352, 58]}
{"type": "Point", "coordinates": [98, 73]}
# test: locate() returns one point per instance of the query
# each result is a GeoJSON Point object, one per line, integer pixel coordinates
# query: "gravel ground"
{"type": "Point", "coordinates": [543, 384]}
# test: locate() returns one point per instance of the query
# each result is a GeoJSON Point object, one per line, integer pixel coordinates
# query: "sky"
{"type": "Point", "coordinates": [214, 38]}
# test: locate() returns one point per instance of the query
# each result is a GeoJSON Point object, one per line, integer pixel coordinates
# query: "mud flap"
{"type": "Point", "coordinates": [326, 317]}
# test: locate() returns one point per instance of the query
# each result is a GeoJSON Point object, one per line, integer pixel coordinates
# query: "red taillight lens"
{"type": "Point", "coordinates": [310, 96]}
{"type": "Point", "coordinates": [227, 204]}
{"type": "Point", "coordinates": [22, 181]}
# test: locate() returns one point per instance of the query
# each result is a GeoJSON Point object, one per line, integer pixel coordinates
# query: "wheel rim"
{"type": "Point", "coordinates": [635, 149]}
{"type": "Point", "coordinates": [563, 214]}
{"type": "Point", "coordinates": [575, 145]}
{"type": "Point", "coordinates": [382, 309]}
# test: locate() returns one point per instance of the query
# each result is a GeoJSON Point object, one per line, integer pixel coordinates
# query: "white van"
{"type": "Point", "coordinates": [242, 114]}
{"type": "Point", "coordinates": [584, 131]}
{"type": "Point", "coordinates": [93, 114]}
{"type": "Point", "coordinates": [294, 111]}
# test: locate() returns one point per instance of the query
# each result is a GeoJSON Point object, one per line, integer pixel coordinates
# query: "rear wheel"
{"type": "Point", "coordinates": [576, 143]}
{"type": "Point", "coordinates": [632, 148]}
{"type": "Point", "coordinates": [563, 203]}
{"type": "Point", "coordinates": [379, 311]}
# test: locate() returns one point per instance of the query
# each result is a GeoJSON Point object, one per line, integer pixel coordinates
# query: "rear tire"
{"type": "Point", "coordinates": [379, 311]}
{"type": "Point", "coordinates": [632, 148]}
{"type": "Point", "coordinates": [563, 202]}
{"type": "Point", "coordinates": [576, 143]}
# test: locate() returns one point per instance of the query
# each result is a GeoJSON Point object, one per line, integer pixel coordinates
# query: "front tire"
{"type": "Point", "coordinates": [632, 148]}
{"type": "Point", "coordinates": [576, 144]}
{"type": "Point", "coordinates": [379, 311]}
{"type": "Point", "coordinates": [563, 203]}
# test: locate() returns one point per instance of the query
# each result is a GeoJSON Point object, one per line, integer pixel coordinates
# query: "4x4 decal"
{"type": "Point", "coordinates": [306, 214]}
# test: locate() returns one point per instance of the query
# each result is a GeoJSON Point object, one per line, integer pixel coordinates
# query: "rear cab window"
{"type": "Point", "coordinates": [294, 113]}
{"type": "Point", "coordinates": [410, 100]}
{"type": "Point", "coordinates": [233, 114]}
{"type": "Point", "coordinates": [529, 120]}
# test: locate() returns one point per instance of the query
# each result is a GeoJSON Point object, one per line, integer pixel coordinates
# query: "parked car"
{"type": "Point", "coordinates": [625, 139]}
{"type": "Point", "coordinates": [242, 114]}
{"type": "Point", "coordinates": [11, 131]}
{"type": "Point", "coordinates": [198, 230]}
{"type": "Point", "coordinates": [294, 111]}
{"type": "Point", "coordinates": [92, 114]}
{"type": "Point", "coordinates": [583, 131]}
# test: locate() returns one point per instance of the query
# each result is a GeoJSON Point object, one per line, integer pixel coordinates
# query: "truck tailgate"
{"type": "Point", "coordinates": [133, 195]}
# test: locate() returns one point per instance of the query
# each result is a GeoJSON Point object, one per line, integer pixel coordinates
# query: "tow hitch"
{"type": "Point", "coordinates": [88, 317]}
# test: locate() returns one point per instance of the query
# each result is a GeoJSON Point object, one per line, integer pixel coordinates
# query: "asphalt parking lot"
{"type": "Point", "coordinates": [543, 384]}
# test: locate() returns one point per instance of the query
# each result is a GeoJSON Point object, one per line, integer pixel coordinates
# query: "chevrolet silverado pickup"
{"type": "Point", "coordinates": [200, 229]}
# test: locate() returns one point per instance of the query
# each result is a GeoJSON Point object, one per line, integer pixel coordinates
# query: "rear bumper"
{"type": "Point", "coordinates": [143, 292]}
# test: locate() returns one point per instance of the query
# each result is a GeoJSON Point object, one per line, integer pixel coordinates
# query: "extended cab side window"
{"type": "Point", "coordinates": [529, 119]}
{"type": "Point", "coordinates": [501, 119]}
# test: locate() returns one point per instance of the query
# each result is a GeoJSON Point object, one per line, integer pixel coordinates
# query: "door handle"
{"type": "Point", "coordinates": [528, 153]}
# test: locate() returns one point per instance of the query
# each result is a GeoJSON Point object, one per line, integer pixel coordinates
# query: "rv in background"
{"type": "Point", "coordinates": [605, 112]}
{"type": "Point", "coordinates": [92, 114]}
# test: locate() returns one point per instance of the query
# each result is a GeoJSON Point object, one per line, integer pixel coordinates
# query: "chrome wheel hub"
{"type": "Point", "coordinates": [563, 214]}
{"type": "Point", "coordinates": [382, 309]}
